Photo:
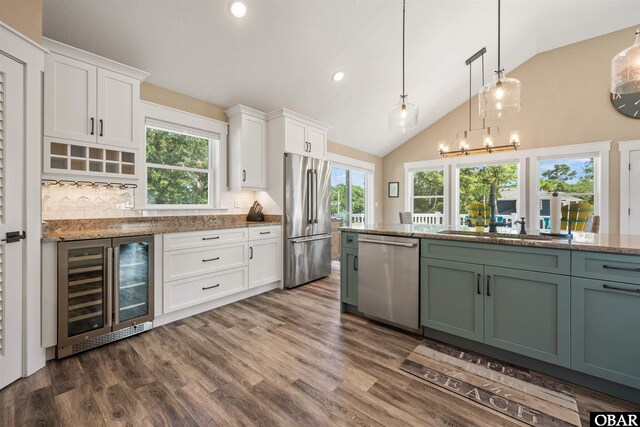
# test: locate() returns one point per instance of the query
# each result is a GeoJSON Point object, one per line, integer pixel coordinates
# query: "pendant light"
{"type": "Point", "coordinates": [500, 97]}
{"type": "Point", "coordinates": [625, 69]}
{"type": "Point", "coordinates": [403, 116]}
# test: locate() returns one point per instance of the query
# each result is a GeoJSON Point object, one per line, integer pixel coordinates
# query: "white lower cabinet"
{"type": "Point", "coordinates": [193, 262]}
{"type": "Point", "coordinates": [203, 266]}
{"type": "Point", "coordinates": [196, 290]}
{"type": "Point", "coordinates": [264, 262]}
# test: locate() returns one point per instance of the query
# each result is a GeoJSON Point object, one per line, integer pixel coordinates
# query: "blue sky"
{"type": "Point", "coordinates": [575, 164]}
{"type": "Point", "coordinates": [339, 176]}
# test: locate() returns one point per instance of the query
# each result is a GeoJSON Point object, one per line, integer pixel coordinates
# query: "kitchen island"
{"type": "Point", "coordinates": [569, 308]}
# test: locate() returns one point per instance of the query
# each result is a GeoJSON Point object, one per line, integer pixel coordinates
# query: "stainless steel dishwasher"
{"type": "Point", "coordinates": [388, 279]}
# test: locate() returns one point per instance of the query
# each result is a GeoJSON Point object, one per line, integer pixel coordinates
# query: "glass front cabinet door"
{"type": "Point", "coordinates": [84, 300]}
{"type": "Point", "coordinates": [103, 286]}
{"type": "Point", "coordinates": [133, 279]}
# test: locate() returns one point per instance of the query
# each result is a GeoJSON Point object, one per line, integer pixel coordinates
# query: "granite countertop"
{"type": "Point", "coordinates": [609, 243]}
{"type": "Point", "coordinates": [82, 229]}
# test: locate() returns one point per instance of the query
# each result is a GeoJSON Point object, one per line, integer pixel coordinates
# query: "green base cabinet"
{"type": "Point", "coordinates": [528, 313]}
{"type": "Point", "coordinates": [349, 269]}
{"type": "Point", "coordinates": [452, 297]}
{"type": "Point", "coordinates": [605, 334]}
{"type": "Point", "coordinates": [525, 310]}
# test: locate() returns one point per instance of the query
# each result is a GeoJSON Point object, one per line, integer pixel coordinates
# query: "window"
{"type": "Point", "coordinates": [427, 204]}
{"type": "Point", "coordinates": [474, 184]}
{"type": "Point", "coordinates": [573, 178]}
{"type": "Point", "coordinates": [349, 195]}
{"type": "Point", "coordinates": [178, 167]}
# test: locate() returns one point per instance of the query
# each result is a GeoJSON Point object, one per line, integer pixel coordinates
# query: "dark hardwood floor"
{"type": "Point", "coordinates": [284, 358]}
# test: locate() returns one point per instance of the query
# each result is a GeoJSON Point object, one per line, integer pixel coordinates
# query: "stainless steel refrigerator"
{"type": "Point", "coordinates": [307, 209]}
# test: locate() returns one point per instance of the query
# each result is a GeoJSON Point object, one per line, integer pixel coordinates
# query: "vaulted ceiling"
{"type": "Point", "coordinates": [284, 52]}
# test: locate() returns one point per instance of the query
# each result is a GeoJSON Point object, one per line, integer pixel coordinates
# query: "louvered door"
{"type": "Point", "coordinates": [11, 202]}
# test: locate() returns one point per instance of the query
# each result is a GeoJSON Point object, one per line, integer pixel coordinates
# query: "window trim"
{"type": "Point", "coordinates": [173, 120]}
{"type": "Point", "coordinates": [528, 172]}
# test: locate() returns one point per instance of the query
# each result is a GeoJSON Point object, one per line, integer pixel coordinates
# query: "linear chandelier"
{"type": "Point", "coordinates": [491, 133]}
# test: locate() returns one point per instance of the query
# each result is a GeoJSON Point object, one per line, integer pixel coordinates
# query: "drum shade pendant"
{"type": "Point", "coordinates": [500, 97]}
{"type": "Point", "coordinates": [625, 69]}
{"type": "Point", "coordinates": [404, 116]}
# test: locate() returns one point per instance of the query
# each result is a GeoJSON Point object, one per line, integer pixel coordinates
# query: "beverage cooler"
{"type": "Point", "coordinates": [105, 291]}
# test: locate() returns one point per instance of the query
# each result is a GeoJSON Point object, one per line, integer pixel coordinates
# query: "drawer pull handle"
{"type": "Point", "coordinates": [211, 259]}
{"type": "Point", "coordinates": [478, 284]}
{"type": "Point", "coordinates": [210, 287]}
{"type": "Point", "coordinates": [611, 267]}
{"type": "Point", "coordinates": [355, 263]}
{"type": "Point", "coordinates": [265, 232]}
{"type": "Point", "coordinates": [211, 238]}
{"type": "Point", "coordinates": [621, 289]}
{"type": "Point", "coordinates": [488, 283]}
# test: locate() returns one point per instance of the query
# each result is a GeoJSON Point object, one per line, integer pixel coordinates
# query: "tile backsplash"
{"type": "Point", "coordinates": [71, 202]}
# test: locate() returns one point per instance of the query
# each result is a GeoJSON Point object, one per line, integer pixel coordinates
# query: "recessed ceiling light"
{"type": "Point", "coordinates": [337, 76]}
{"type": "Point", "coordinates": [238, 9]}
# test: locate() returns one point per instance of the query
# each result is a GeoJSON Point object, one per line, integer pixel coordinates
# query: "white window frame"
{"type": "Point", "coordinates": [409, 196]}
{"type": "Point", "coordinates": [369, 170]}
{"type": "Point", "coordinates": [177, 121]}
{"type": "Point", "coordinates": [527, 180]}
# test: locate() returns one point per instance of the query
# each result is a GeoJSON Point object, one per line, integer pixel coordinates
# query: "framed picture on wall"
{"type": "Point", "coordinates": [394, 189]}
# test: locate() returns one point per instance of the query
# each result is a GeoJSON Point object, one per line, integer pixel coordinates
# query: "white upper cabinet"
{"type": "Point", "coordinates": [91, 99]}
{"type": "Point", "coordinates": [70, 96]}
{"type": "Point", "coordinates": [317, 139]}
{"type": "Point", "coordinates": [300, 135]}
{"type": "Point", "coordinates": [295, 137]}
{"type": "Point", "coordinates": [247, 151]}
{"type": "Point", "coordinates": [118, 100]}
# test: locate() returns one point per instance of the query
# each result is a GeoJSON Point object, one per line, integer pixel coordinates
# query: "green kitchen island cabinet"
{"type": "Point", "coordinates": [349, 270]}
{"type": "Point", "coordinates": [528, 313]}
{"type": "Point", "coordinates": [451, 297]}
{"type": "Point", "coordinates": [525, 312]}
{"type": "Point", "coordinates": [605, 316]}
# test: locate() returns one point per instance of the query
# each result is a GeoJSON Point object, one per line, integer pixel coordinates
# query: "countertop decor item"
{"type": "Point", "coordinates": [403, 116]}
{"type": "Point", "coordinates": [489, 134]}
{"type": "Point", "coordinates": [255, 213]}
{"type": "Point", "coordinates": [500, 97]}
{"type": "Point", "coordinates": [625, 69]}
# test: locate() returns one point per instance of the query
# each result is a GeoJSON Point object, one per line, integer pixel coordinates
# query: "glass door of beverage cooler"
{"type": "Point", "coordinates": [84, 295]}
{"type": "Point", "coordinates": [133, 281]}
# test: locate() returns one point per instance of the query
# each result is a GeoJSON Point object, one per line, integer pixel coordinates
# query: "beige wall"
{"type": "Point", "coordinates": [565, 100]}
{"type": "Point", "coordinates": [379, 189]}
{"type": "Point", "coordinates": [24, 16]}
{"type": "Point", "coordinates": [159, 95]}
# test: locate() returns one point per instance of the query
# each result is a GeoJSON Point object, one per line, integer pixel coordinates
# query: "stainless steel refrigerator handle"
{"type": "Point", "coordinates": [311, 239]}
{"type": "Point", "coordinates": [107, 306]}
{"type": "Point", "coordinates": [384, 242]}
{"type": "Point", "coordinates": [315, 196]}
{"type": "Point", "coordinates": [116, 285]}
{"type": "Point", "coordinates": [309, 198]}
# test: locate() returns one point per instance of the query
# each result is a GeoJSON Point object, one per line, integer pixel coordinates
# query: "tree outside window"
{"type": "Point", "coordinates": [475, 187]}
{"type": "Point", "coordinates": [573, 178]}
{"type": "Point", "coordinates": [177, 168]}
{"type": "Point", "coordinates": [428, 195]}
